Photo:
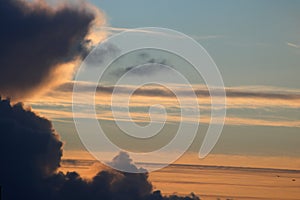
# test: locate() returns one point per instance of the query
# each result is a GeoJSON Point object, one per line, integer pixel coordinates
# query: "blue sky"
{"type": "Point", "coordinates": [252, 42]}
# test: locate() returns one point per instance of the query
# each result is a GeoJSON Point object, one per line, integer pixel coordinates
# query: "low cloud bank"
{"type": "Point", "coordinates": [30, 156]}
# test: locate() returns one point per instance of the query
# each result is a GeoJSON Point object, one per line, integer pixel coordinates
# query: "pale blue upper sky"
{"type": "Point", "coordinates": [254, 42]}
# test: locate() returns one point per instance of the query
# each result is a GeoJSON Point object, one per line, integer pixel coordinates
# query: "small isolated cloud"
{"type": "Point", "coordinates": [293, 45]}
{"type": "Point", "coordinates": [147, 66]}
{"type": "Point", "coordinates": [146, 69]}
{"type": "Point", "coordinates": [123, 161]}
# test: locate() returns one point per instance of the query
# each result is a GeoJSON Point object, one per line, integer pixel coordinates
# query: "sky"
{"type": "Point", "coordinates": [252, 42]}
{"type": "Point", "coordinates": [52, 102]}
{"type": "Point", "coordinates": [48, 41]}
{"type": "Point", "coordinates": [255, 45]}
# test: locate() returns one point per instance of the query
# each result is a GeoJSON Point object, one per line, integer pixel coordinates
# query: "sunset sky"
{"type": "Point", "coordinates": [46, 44]}
{"type": "Point", "coordinates": [255, 45]}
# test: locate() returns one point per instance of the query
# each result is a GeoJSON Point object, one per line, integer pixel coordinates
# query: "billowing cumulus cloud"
{"type": "Point", "coordinates": [38, 43]}
{"type": "Point", "coordinates": [30, 150]}
{"type": "Point", "coordinates": [123, 161]}
{"type": "Point", "coordinates": [30, 156]}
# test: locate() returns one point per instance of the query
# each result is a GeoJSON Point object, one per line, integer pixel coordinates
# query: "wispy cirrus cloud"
{"type": "Point", "coordinates": [253, 106]}
{"type": "Point", "coordinates": [207, 37]}
{"type": "Point", "coordinates": [258, 92]}
{"type": "Point", "coordinates": [293, 45]}
{"type": "Point", "coordinates": [114, 30]}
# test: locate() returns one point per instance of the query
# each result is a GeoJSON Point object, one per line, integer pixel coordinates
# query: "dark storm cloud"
{"type": "Point", "coordinates": [30, 155]}
{"type": "Point", "coordinates": [35, 39]}
{"type": "Point", "coordinates": [30, 150]}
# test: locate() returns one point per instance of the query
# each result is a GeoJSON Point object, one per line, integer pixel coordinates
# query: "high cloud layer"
{"type": "Point", "coordinates": [274, 106]}
{"type": "Point", "coordinates": [38, 43]}
{"type": "Point", "coordinates": [31, 152]}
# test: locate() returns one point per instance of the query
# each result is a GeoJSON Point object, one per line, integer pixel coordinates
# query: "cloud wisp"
{"type": "Point", "coordinates": [293, 45]}
{"type": "Point", "coordinates": [274, 106]}
{"type": "Point", "coordinates": [200, 91]}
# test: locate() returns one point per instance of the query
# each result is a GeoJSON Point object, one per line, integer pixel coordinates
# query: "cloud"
{"type": "Point", "coordinates": [30, 156]}
{"type": "Point", "coordinates": [123, 161]}
{"type": "Point", "coordinates": [102, 53]}
{"type": "Point", "coordinates": [206, 37]}
{"type": "Point", "coordinates": [293, 45]}
{"type": "Point", "coordinates": [262, 94]}
{"type": "Point", "coordinates": [150, 67]}
{"type": "Point", "coordinates": [275, 106]}
{"type": "Point", "coordinates": [200, 91]}
{"type": "Point", "coordinates": [40, 43]}
{"type": "Point", "coordinates": [147, 66]}
{"type": "Point", "coordinates": [30, 149]}
{"type": "Point", "coordinates": [113, 30]}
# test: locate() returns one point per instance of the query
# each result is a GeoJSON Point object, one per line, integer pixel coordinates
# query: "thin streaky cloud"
{"type": "Point", "coordinates": [238, 98]}
{"type": "Point", "coordinates": [114, 30]}
{"type": "Point", "coordinates": [206, 37]}
{"type": "Point", "coordinates": [248, 44]}
{"type": "Point", "coordinates": [62, 97]}
{"type": "Point", "coordinates": [199, 91]}
{"type": "Point", "coordinates": [143, 117]}
{"type": "Point", "coordinates": [293, 45]}
{"type": "Point", "coordinates": [120, 29]}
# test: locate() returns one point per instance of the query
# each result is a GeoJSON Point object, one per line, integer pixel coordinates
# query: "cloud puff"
{"type": "Point", "coordinates": [37, 41]}
{"type": "Point", "coordinates": [123, 161]}
{"type": "Point", "coordinates": [30, 155]}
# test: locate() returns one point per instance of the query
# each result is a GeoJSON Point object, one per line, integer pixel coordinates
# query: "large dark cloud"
{"type": "Point", "coordinates": [36, 39]}
{"type": "Point", "coordinates": [30, 151]}
{"type": "Point", "coordinates": [30, 155]}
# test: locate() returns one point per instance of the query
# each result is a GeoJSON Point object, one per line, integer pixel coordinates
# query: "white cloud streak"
{"type": "Point", "coordinates": [293, 45]}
